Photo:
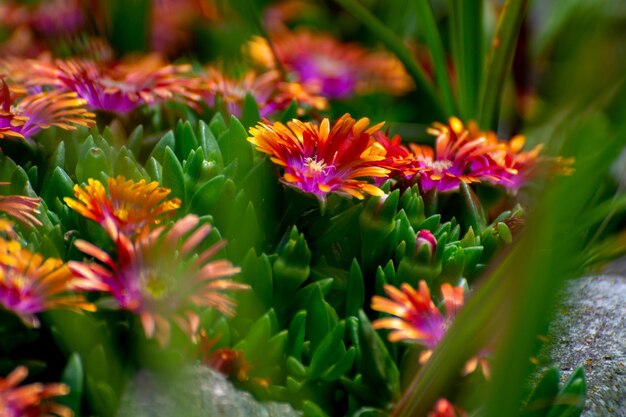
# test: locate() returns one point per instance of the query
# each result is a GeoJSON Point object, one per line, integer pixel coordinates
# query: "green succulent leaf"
{"type": "Point", "coordinates": [167, 141]}
{"type": "Point", "coordinates": [186, 140]}
{"type": "Point", "coordinates": [73, 376]}
{"type": "Point", "coordinates": [571, 399]}
{"type": "Point", "coordinates": [235, 146]}
{"type": "Point", "coordinates": [375, 363]}
{"type": "Point", "coordinates": [296, 335]}
{"type": "Point", "coordinates": [328, 352]}
{"type": "Point", "coordinates": [250, 114]}
{"type": "Point", "coordinates": [544, 394]}
{"type": "Point", "coordinates": [173, 177]}
{"type": "Point", "coordinates": [355, 291]}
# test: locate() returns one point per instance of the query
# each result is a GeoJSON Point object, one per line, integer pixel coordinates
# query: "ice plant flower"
{"type": "Point", "coordinates": [21, 208]}
{"type": "Point", "coordinates": [443, 408]}
{"type": "Point", "coordinates": [458, 156]}
{"type": "Point", "coordinates": [417, 319]}
{"type": "Point", "coordinates": [128, 207]}
{"type": "Point", "coordinates": [270, 92]}
{"type": "Point", "coordinates": [26, 116]}
{"type": "Point", "coordinates": [320, 159]}
{"type": "Point", "coordinates": [32, 400]}
{"type": "Point", "coordinates": [30, 284]}
{"type": "Point", "coordinates": [162, 276]}
{"type": "Point", "coordinates": [339, 69]}
{"type": "Point", "coordinates": [116, 87]}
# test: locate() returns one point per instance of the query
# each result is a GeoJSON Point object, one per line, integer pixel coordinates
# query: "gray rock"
{"type": "Point", "coordinates": [590, 330]}
{"type": "Point", "coordinates": [196, 391]}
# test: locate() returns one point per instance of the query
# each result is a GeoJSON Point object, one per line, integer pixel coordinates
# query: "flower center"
{"type": "Point", "coordinates": [439, 166]}
{"type": "Point", "coordinates": [156, 287]}
{"type": "Point", "coordinates": [314, 166]}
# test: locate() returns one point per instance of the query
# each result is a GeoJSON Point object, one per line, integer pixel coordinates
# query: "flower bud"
{"type": "Point", "coordinates": [425, 243]}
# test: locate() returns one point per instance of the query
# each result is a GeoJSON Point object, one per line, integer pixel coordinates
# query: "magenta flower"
{"type": "Point", "coordinates": [30, 284]}
{"type": "Point", "coordinates": [417, 319]}
{"type": "Point", "coordinates": [118, 87]}
{"type": "Point", "coordinates": [162, 277]}
{"type": "Point", "coordinates": [340, 70]}
{"type": "Point", "coordinates": [25, 116]}
{"type": "Point", "coordinates": [320, 159]}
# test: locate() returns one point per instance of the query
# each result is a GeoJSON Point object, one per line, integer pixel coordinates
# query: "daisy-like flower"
{"type": "Point", "coordinates": [117, 87]}
{"type": "Point", "coordinates": [271, 93]}
{"type": "Point", "coordinates": [443, 408]}
{"type": "Point", "coordinates": [21, 208]}
{"type": "Point", "coordinates": [320, 160]}
{"type": "Point", "coordinates": [26, 116]}
{"type": "Point", "coordinates": [128, 207]}
{"type": "Point", "coordinates": [339, 69]}
{"type": "Point", "coordinates": [32, 400]}
{"type": "Point", "coordinates": [417, 319]}
{"type": "Point", "coordinates": [162, 276]}
{"type": "Point", "coordinates": [30, 284]}
{"type": "Point", "coordinates": [457, 157]}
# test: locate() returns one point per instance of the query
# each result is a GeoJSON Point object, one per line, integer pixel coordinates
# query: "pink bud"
{"type": "Point", "coordinates": [426, 238]}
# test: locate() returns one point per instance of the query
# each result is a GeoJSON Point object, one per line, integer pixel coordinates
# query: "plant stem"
{"type": "Point", "coordinates": [500, 60]}
{"type": "Point", "coordinates": [467, 51]}
{"type": "Point", "coordinates": [426, 20]}
{"type": "Point", "coordinates": [395, 45]}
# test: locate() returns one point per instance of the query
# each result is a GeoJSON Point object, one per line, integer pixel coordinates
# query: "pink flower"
{"type": "Point", "coordinates": [162, 276]}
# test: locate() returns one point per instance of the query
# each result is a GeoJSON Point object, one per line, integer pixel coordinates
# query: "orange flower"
{"type": "Point", "coordinates": [30, 400]}
{"type": "Point", "coordinates": [25, 116]}
{"type": "Point", "coordinates": [129, 207]}
{"type": "Point", "coordinates": [20, 207]}
{"type": "Point", "coordinates": [29, 284]}
{"type": "Point", "coordinates": [320, 160]}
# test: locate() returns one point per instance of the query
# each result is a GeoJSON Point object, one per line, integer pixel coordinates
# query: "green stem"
{"type": "Point", "coordinates": [395, 45]}
{"type": "Point", "coordinates": [500, 60]}
{"type": "Point", "coordinates": [426, 20]}
{"type": "Point", "coordinates": [467, 52]}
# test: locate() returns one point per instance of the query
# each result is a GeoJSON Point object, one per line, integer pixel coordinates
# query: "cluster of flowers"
{"type": "Point", "coordinates": [163, 273]}
{"type": "Point", "coordinates": [320, 159]}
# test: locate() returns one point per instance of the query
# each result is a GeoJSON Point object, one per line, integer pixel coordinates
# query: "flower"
{"type": "Point", "coordinates": [117, 87]}
{"type": "Point", "coordinates": [30, 400]}
{"type": "Point", "coordinates": [339, 69]}
{"type": "Point", "coordinates": [162, 276]}
{"type": "Point", "coordinates": [417, 318]}
{"type": "Point", "coordinates": [30, 285]}
{"type": "Point", "coordinates": [425, 239]}
{"type": "Point", "coordinates": [129, 207]}
{"type": "Point", "coordinates": [268, 90]}
{"type": "Point", "coordinates": [22, 208]}
{"type": "Point", "coordinates": [518, 165]}
{"type": "Point", "coordinates": [30, 114]}
{"type": "Point", "coordinates": [320, 160]}
{"type": "Point", "coordinates": [458, 157]}
{"type": "Point", "coordinates": [443, 408]}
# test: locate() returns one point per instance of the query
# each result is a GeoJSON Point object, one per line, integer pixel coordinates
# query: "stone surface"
{"type": "Point", "coordinates": [196, 392]}
{"type": "Point", "coordinates": [590, 330]}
